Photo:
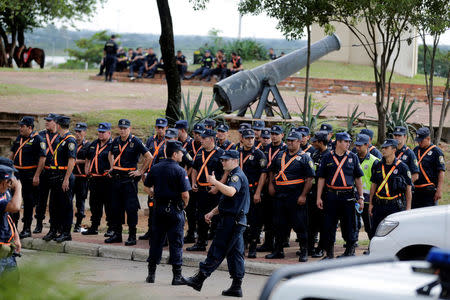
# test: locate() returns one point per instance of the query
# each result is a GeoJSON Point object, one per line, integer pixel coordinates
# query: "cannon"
{"type": "Point", "coordinates": [240, 91]}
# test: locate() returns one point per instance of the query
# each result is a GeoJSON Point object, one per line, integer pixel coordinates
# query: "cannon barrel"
{"type": "Point", "coordinates": [243, 88]}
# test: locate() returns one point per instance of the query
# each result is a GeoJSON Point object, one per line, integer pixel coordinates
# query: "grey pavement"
{"type": "Point", "coordinates": [108, 278]}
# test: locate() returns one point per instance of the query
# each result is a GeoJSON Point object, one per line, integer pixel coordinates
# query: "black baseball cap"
{"type": "Point", "coordinates": [208, 133]}
{"type": "Point", "coordinates": [124, 123]}
{"type": "Point", "coordinates": [81, 126]}
{"type": "Point", "coordinates": [230, 154]}
{"type": "Point", "coordinates": [390, 142]}
{"type": "Point", "coordinates": [63, 120]}
{"type": "Point", "coordinates": [51, 117]}
{"type": "Point", "coordinates": [27, 121]}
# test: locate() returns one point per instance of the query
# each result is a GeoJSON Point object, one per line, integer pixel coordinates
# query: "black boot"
{"type": "Point", "coordinates": [330, 253]}
{"type": "Point", "coordinates": [131, 241]}
{"type": "Point", "coordinates": [26, 232]}
{"type": "Point", "coordinates": [199, 246]}
{"type": "Point", "coordinates": [177, 277]}
{"type": "Point", "coordinates": [349, 251]}
{"type": "Point", "coordinates": [252, 250]}
{"type": "Point", "coordinates": [109, 233]}
{"type": "Point", "coordinates": [235, 289]}
{"type": "Point", "coordinates": [151, 273]}
{"type": "Point", "coordinates": [275, 254]}
{"type": "Point", "coordinates": [38, 228]}
{"type": "Point", "coordinates": [317, 253]}
{"type": "Point", "coordinates": [77, 227]}
{"type": "Point", "coordinates": [303, 255]}
{"type": "Point", "coordinates": [114, 238]}
{"type": "Point", "coordinates": [146, 236]}
{"type": "Point", "coordinates": [267, 246]}
{"type": "Point", "coordinates": [50, 235]}
{"type": "Point", "coordinates": [65, 236]}
{"type": "Point", "coordinates": [196, 281]}
{"type": "Point", "coordinates": [93, 230]}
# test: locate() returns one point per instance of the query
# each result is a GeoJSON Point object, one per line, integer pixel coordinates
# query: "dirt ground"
{"type": "Point", "coordinates": [73, 92]}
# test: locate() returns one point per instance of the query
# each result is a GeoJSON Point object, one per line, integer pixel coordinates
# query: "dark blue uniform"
{"type": "Point", "coordinates": [206, 201]}
{"type": "Point", "coordinates": [61, 202]}
{"type": "Point", "coordinates": [205, 68]}
{"type": "Point", "coordinates": [6, 233]}
{"type": "Point", "coordinates": [169, 181]}
{"type": "Point", "coordinates": [124, 188]}
{"type": "Point", "coordinates": [289, 183]}
{"type": "Point", "coordinates": [110, 59]}
{"type": "Point", "coordinates": [181, 68]}
{"type": "Point", "coordinates": [227, 145]}
{"type": "Point", "coordinates": [81, 185]}
{"type": "Point", "coordinates": [26, 154]}
{"type": "Point", "coordinates": [388, 198]}
{"type": "Point", "coordinates": [228, 241]}
{"type": "Point", "coordinates": [150, 59]}
{"type": "Point", "coordinates": [186, 162]}
{"type": "Point", "coordinates": [407, 156]}
{"type": "Point", "coordinates": [431, 162]}
{"type": "Point", "coordinates": [220, 69]}
{"type": "Point", "coordinates": [308, 149]}
{"type": "Point", "coordinates": [99, 182]}
{"type": "Point", "coordinates": [338, 195]}
{"type": "Point", "coordinates": [50, 140]}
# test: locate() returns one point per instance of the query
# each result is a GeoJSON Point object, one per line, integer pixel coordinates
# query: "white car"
{"type": "Point", "coordinates": [409, 235]}
{"type": "Point", "coordinates": [364, 277]}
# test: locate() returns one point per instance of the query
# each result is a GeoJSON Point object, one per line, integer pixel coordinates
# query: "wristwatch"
{"type": "Point", "coordinates": [361, 197]}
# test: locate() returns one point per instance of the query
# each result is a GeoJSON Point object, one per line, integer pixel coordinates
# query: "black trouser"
{"type": "Point", "coordinates": [366, 219]}
{"type": "Point", "coordinates": [121, 66]}
{"type": "Point", "coordinates": [61, 202]}
{"type": "Point", "coordinates": [181, 70]}
{"type": "Point", "coordinates": [150, 205]}
{"type": "Point", "coordinates": [124, 198]}
{"type": "Point", "coordinates": [423, 197]}
{"type": "Point", "coordinates": [339, 206]}
{"type": "Point", "coordinates": [221, 72]}
{"type": "Point", "coordinates": [315, 221]}
{"type": "Point", "coordinates": [80, 191]}
{"type": "Point", "coordinates": [30, 196]}
{"type": "Point", "coordinates": [99, 197]}
{"type": "Point", "coordinates": [267, 205]}
{"type": "Point", "coordinates": [136, 65]}
{"type": "Point", "coordinates": [382, 209]}
{"type": "Point", "coordinates": [44, 190]}
{"type": "Point", "coordinates": [254, 217]}
{"type": "Point", "coordinates": [192, 214]}
{"type": "Point", "coordinates": [110, 65]}
{"type": "Point", "coordinates": [206, 202]}
{"type": "Point", "coordinates": [288, 215]}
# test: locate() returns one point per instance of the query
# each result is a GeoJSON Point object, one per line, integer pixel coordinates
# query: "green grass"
{"type": "Point", "coordinates": [19, 90]}
{"type": "Point", "coordinates": [330, 69]}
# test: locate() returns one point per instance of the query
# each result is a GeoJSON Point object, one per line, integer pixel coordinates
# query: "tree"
{"type": "Point", "coordinates": [385, 23]}
{"type": "Point", "coordinates": [90, 50]}
{"type": "Point", "coordinates": [166, 42]}
{"type": "Point", "coordinates": [293, 17]}
{"type": "Point", "coordinates": [432, 19]}
{"type": "Point", "coordinates": [19, 16]}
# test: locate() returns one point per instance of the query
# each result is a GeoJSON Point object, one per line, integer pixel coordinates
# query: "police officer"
{"type": "Point", "coordinates": [97, 168]}
{"type": "Point", "coordinates": [62, 183]}
{"type": "Point", "coordinates": [306, 135]}
{"type": "Point", "coordinates": [277, 145]}
{"type": "Point", "coordinates": [257, 127]}
{"type": "Point", "coordinates": [428, 188]}
{"type": "Point", "coordinates": [123, 157]}
{"type": "Point", "coordinates": [206, 161]}
{"type": "Point", "coordinates": [405, 154]}
{"type": "Point", "coordinates": [291, 175]}
{"type": "Point", "coordinates": [236, 64]}
{"type": "Point", "coordinates": [81, 185]}
{"type": "Point", "coordinates": [136, 63]}
{"type": "Point", "coordinates": [338, 172]}
{"type": "Point", "coordinates": [372, 149]}
{"type": "Point", "coordinates": [205, 69]}
{"type": "Point", "coordinates": [272, 55]}
{"type": "Point", "coordinates": [253, 162]}
{"type": "Point", "coordinates": [154, 144]}
{"type": "Point", "coordinates": [169, 185]}
{"type": "Point", "coordinates": [186, 160]}
{"type": "Point", "coordinates": [182, 126]}
{"type": "Point", "coordinates": [28, 154]}
{"type": "Point", "coordinates": [265, 139]}
{"type": "Point", "coordinates": [241, 128]}
{"type": "Point", "coordinates": [366, 161]}
{"type": "Point", "coordinates": [228, 241]}
{"type": "Point", "coordinates": [9, 237]}
{"type": "Point", "coordinates": [150, 64]}
{"type": "Point", "coordinates": [328, 128]}
{"type": "Point", "coordinates": [110, 52]}
{"type": "Point", "coordinates": [209, 124]}
{"type": "Point", "coordinates": [51, 139]}
{"type": "Point", "coordinates": [182, 64]}
{"type": "Point", "coordinates": [315, 215]}
{"type": "Point", "coordinates": [391, 185]}
{"type": "Point", "coordinates": [222, 138]}
{"type": "Point", "coordinates": [221, 66]}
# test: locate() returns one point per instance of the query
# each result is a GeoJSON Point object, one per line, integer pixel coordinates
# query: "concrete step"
{"type": "Point", "coordinates": [9, 132]}
{"type": "Point", "coordinates": [8, 124]}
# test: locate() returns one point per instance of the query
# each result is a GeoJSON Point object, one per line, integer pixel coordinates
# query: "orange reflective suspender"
{"type": "Point", "coordinates": [259, 145]}
{"type": "Point", "coordinates": [117, 159]}
{"type": "Point", "coordinates": [11, 226]}
{"type": "Point", "coordinates": [98, 150]}
{"type": "Point", "coordinates": [205, 168]}
{"type": "Point", "coordinates": [19, 152]}
{"type": "Point", "coordinates": [50, 143]}
{"type": "Point", "coordinates": [339, 172]}
{"type": "Point", "coordinates": [307, 148]}
{"type": "Point", "coordinates": [55, 155]}
{"type": "Point", "coordinates": [235, 61]}
{"type": "Point", "coordinates": [272, 156]}
{"type": "Point", "coordinates": [229, 146]}
{"type": "Point", "coordinates": [401, 153]}
{"type": "Point", "coordinates": [385, 180]}
{"type": "Point", "coordinates": [371, 148]}
{"type": "Point", "coordinates": [422, 170]}
{"type": "Point", "coordinates": [284, 166]}
{"type": "Point", "coordinates": [78, 166]}
{"type": "Point", "coordinates": [242, 161]}
{"type": "Point", "coordinates": [193, 148]}
{"type": "Point", "coordinates": [155, 153]}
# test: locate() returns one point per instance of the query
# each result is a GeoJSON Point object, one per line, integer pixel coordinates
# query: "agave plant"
{"type": "Point", "coordinates": [401, 110]}
{"type": "Point", "coordinates": [352, 119]}
{"type": "Point", "coordinates": [310, 120]}
{"type": "Point", "coordinates": [193, 114]}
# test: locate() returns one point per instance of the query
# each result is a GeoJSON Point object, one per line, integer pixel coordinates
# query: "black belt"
{"type": "Point", "coordinates": [340, 192]}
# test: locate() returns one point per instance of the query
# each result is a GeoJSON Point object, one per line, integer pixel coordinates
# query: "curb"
{"type": "Point", "coordinates": [135, 254]}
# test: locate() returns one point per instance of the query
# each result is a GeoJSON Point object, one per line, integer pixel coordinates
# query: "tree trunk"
{"type": "Point", "coordinates": [308, 62]}
{"type": "Point", "coordinates": [444, 109]}
{"type": "Point", "coordinates": [166, 42]}
{"type": "Point", "coordinates": [20, 36]}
